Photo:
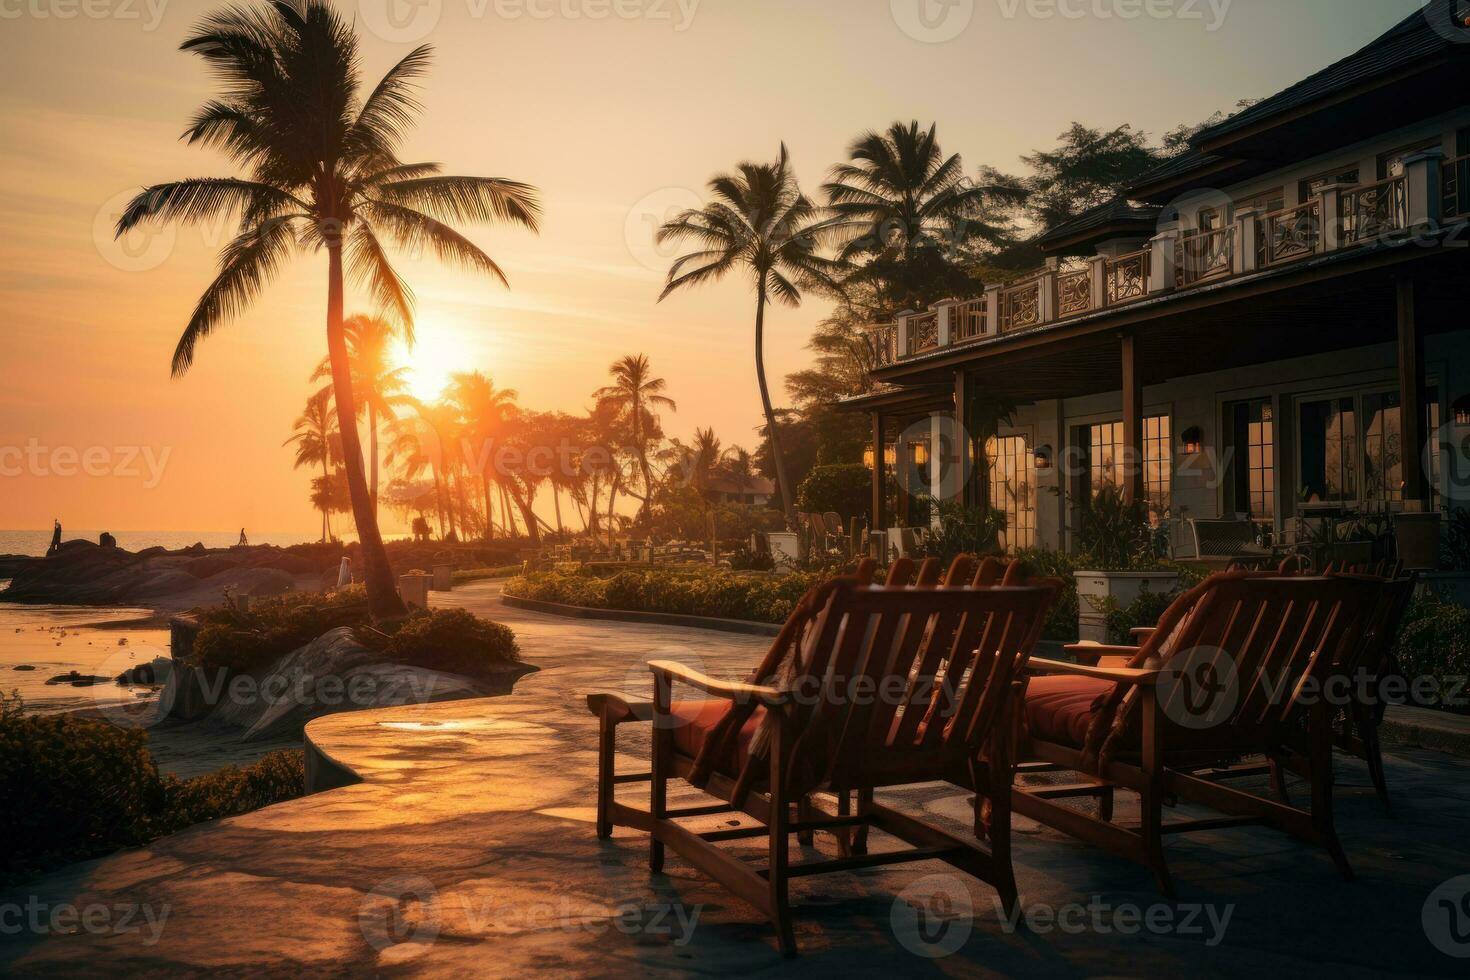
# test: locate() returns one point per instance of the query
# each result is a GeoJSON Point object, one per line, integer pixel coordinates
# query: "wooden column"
{"type": "Point", "coordinates": [966, 450]}
{"type": "Point", "coordinates": [1133, 489]}
{"type": "Point", "coordinates": [1411, 398]}
{"type": "Point", "coordinates": [880, 519]}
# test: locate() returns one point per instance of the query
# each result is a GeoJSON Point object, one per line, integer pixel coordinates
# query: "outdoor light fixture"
{"type": "Point", "coordinates": [868, 458]}
{"type": "Point", "coordinates": [1194, 440]}
{"type": "Point", "coordinates": [1043, 457]}
{"type": "Point", "coordinates": [1461, 410]}
{"type": "Point", "coordinates": [921, 454]}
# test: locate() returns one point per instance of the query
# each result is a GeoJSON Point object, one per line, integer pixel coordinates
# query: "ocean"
{"type": "Point", "coordinates": [54, 640]}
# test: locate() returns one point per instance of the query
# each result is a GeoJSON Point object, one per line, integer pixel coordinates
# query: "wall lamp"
{"type": "Point", "coordinates": [1043, 457]}
{"type": "Point", "coordinates": [1193, 440]}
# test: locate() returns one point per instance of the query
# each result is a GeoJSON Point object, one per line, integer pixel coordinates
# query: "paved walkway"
{"type": "Point", "coordinates": [468, 850]}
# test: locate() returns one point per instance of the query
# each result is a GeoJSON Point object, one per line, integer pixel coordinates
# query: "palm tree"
{"type": "Point", "coordinates": [901, 207]}
{"type": "Point", "coordinates": [318, 443]}
{"type": "Point", "coordinates": [635, 392]}
{"type": "Point", "coordinates": [760, 223]}
{"type": "Point", "coordinates": [323, 173]}
{"type": "Point", "coordinates": [376, 383]}
{"type": "Point", "coordinates": [423, 440]}
{"type": "Point", "coordinates": [486, 411]}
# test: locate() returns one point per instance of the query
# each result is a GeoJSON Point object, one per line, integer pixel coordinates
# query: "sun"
{"type": "Point", "coordinates": [430, 362]}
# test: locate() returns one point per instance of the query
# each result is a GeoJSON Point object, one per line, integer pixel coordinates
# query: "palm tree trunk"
{"type": "Point", "coordinates": [383, 599]}
{"type": "Point", "coordinates": [372, 417]}
{"type": "Point", "coordinates": [556, 502]}
{"type": "Point", "coordinates": [489, 512]}
{"type": "Point", "coordinates": [783, 484]}
{"type": "Point", "coordinates": [327, 476]}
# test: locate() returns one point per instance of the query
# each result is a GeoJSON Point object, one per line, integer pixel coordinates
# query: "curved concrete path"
{"type": "Point", "coordinates": [468, 850]}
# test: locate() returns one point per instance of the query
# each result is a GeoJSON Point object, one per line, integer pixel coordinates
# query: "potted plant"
{"type": "Point", "coordinates": [1417, 540]}
{"type": "Point", "coordinates": [1122, 553]}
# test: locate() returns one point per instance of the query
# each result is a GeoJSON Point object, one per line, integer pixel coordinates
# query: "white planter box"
{"type": "Point", "coordinates": [1122, 587]}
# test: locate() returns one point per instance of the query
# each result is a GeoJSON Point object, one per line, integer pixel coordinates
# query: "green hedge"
{"type": "Point", "coordinates": [725, 595]}
{"type": "Point", "coordinates": [1434, 642]}
{"type": "Point", "coordinates": [452, 640]}
{"type": "Point", "coordinates": [78, 788]}
{"type": "Point", "coordinates": [845, 488]}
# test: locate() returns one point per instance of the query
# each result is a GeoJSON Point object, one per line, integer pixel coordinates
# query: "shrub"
{"type": "Point", "coordinates": [962, 530]}
{"type": "Point", "coordinates": [452, 640]}
{"type": "Point", "coordinates": [465, 575]}
{"type": "Point", "coordinates": [1115, 535]}
{"type": "Point", "coordinates": [726, 595]}
{"type": "Point", "coordinates": [77, 788]}
{"type": "Point", "coordinates": [742, 559]}
{"type": "Point", "coordinates": [846, 488]}
{"type": "Point", "coordinates": [1061, 622]}
{"type": "Point", "coordinates": [1145, 610]}
{"type": "Point", "coordinates": [254, 640]}
{"type": "Point", "coordinates": [1434, 641]}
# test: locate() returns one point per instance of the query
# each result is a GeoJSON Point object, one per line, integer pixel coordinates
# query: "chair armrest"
{"type": "Point", "coordinates": [1122, 675]}
{"type": "Point", "coordinates": [619, 708]}
{"type": "Point", "coordinates": [1090, 653]}
{"type": "Point", "coordinates": [725, 690]}
{"type": "Point", "coordinates": [1142, 632]}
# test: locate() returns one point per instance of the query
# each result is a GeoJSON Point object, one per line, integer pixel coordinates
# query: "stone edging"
{"type": "Point", "coordinates": [745, 626]}
{"type": "Point", "coordinates": [1427, 729]}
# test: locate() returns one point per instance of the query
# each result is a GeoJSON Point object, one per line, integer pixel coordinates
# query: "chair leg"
{"type": "Point", "coordinates": [844, 835]}
{"type": "Point", "coordinates": [779, 828]}
{"type": "Point", "coordinates": [606, 775]}
{"type": "Point", "coordinates": [1373, 749]}
{"type": "Point", "coordinates": [659, 786]}
{"type": "Point", "coordinates": [804, 813]}
{"type": "Point", "coordinates": [1320, 767]}
{"type": "Point", "coordinates": [860, 835]}
{"type": "Point", "coordinates": [1278, 781]}
{"type": "Point", "coordinates": [1105, 805]}
{"type": "Point", "coordinates": [1152, 796]}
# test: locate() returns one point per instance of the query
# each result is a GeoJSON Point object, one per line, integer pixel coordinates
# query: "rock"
{"type": "Point", "coordinates": [23, 667]}
{"type": "Point", "coordinates": [155, 672]}
{"type": "Point", "coordinates": [77, 679]}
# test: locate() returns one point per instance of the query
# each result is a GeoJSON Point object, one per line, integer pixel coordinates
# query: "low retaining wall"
{"type": "Point", "coordinates": [654, 618]}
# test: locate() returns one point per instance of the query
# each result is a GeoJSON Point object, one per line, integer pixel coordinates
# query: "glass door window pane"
{"type": "Point", "coordinates": [1329, 451]}
{"type": "Point", "coordinates": [1011, 484]}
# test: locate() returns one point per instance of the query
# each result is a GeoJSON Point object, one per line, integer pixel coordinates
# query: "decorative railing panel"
{"type": "Point", "coordinates": [1205, 255]}
{"type": "Point", "coordinates": [1375, 210]}
{"type": "Point", "coordinates": [1291, 233]}
{"type": "Point", "coordinates": [1074, 292]}
{"type": "Point", "coordinates": [883, 339]}
{"type": "Point", "coordinates": [967, 321]}
{"type": "Point", "coordinates": [1127, 277]}
{"type": "Point", "coordinates": [1456, 177]}
{"type": "Point", "coordinates": [923, 333]}
{"type": "Point", "coordinates": [1020, 306]}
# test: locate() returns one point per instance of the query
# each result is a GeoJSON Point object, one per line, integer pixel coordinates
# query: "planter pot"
{"type": "Point", "coordinates": [413, 587]}
{"type": "Point", "coordinates": [1121, 587]}
{"type": "Point", "coordinates": [1417, 539]}
{"type": "Point", "coordinates": [443, 578]}
{"type": "Point", "coordinates": [1348, 553]}
{"type": "Point", "coordinates": [785, 550]}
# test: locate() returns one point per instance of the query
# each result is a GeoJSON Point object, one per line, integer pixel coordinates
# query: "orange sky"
{"type": "Point", "coordinates": [616, 118]}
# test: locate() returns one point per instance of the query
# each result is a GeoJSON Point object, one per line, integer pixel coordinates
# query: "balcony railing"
{"type": "Point", "coordinates": [1074, 292]}
{"type": "Point", "coordinates": [1126, 277]}
{"type": "Point", "coordinates": [1336, 217]}
{"type": "Point", "coordinates": [1291, 233]}
{"type": "Point", "coordinates": [1205, 255]}
{"type": "Point", "coordinates": [1457, 187]}
{"type": "Point", "coordinates": [968, 321]}
{"type": "Point", "coordinates": [1375, 210]}
{"type": "Point", "coordinates": [1020, 306]}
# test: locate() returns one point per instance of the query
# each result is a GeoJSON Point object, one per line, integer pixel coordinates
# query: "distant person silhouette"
{"type": "Point", "coordinates": [55, 539]}
{"type": "Point", "coordinates": [244, 542]}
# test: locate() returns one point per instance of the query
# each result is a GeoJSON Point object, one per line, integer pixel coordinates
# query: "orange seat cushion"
{"type": "Point", "coordinates": [1059, 708]}
{"type": "Point", "coordinates": [695, 720]}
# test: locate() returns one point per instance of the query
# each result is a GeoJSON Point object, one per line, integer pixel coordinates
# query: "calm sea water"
{"type": "Point", "coordinates": [55, 640]}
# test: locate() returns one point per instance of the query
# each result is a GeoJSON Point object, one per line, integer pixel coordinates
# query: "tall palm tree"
{"type": "Point", "coordinates": [486, 411]}
{"type": "Point", "coordinates": [377, 384]}
{"type": "Point", "coordinates": [317, 443]}
{"type": "Point", "coordinates": [901, 208]}
{"type": "Point", "coordinates": [760, 223]}
{"type": "Point", "coordinates": [637, 393]}
{"type": "Point", "coordinates": [322, 174]}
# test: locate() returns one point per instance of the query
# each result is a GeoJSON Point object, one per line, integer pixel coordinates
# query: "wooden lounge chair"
{"type": "Point", "coordinates": [950, 655]}
{"type": "Point", "coordinates": [1142, 726]}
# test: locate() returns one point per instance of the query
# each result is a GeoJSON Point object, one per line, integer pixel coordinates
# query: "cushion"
{"type": "Point", "coordinates": [1059, 707]}
{"type": "Point", "coordinates": [695, 720]}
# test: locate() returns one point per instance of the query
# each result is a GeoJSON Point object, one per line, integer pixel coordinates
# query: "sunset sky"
{"type": "Point", "coordinates": [616, 119]}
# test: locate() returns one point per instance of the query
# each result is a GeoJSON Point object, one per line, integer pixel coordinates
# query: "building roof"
{"type": "Point", "coordinates": [1408, 46]}
{"type": "Point", "coordinates": [758, 485]}
{"type": "Point", "coordinates": [1117, 218]}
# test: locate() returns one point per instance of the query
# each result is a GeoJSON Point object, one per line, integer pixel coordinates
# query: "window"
{"type": "Point", "coordinates": [1329, 451]}
{"type": "Point", "coordinates": [1268, 202]}
{"type": "Point", "coordinates": [1108, 465]}
{"type": "Point", "coordinates": [1010, 489]}
{"type": "Point", "coordinates": [1251, 482]}
{"type": "Point", "coordinates": [1312, 185]}
{"type": "Point", "coordinates": [1209, 219]}
{"type": "Point", "coordinates": [1158, 459]}
{"type": "Point", "coordinates": [1392, 164]}
{"type": "Point", "coordinates": [1457, 177]}
{"type": "Point", "coordinates": [1383, 449]}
